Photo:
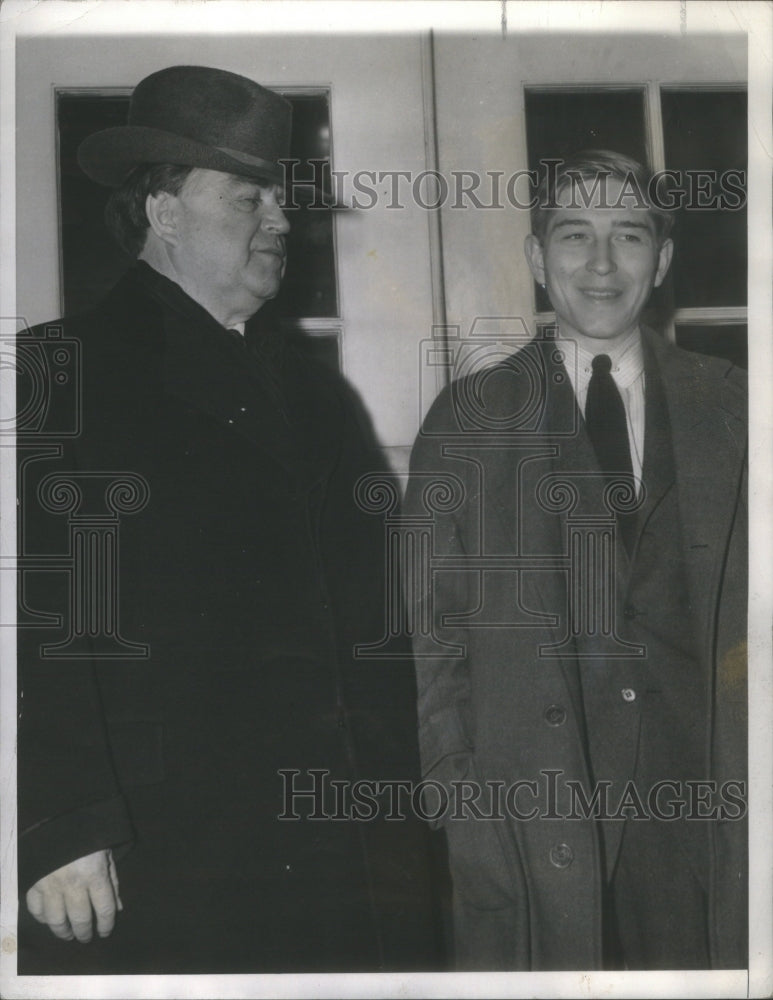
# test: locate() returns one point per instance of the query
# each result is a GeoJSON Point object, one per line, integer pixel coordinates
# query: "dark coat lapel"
{"type": "Point", "coordinates": [204, 369]}
{"type": "Point", "coordinates": [556, 441]}
{"type": "Point", "coordinates": [658, 471]}
{"type": "Point", "coordinates": [572, 455]}
{"type": "Point", "coordinates": [708, 434]}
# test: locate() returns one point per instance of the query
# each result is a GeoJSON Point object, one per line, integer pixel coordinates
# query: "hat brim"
{"type": "Point", "coordinates": [109, 156]}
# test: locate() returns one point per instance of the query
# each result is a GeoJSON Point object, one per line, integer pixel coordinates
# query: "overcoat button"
{"type": "Point", "coordinates": [555, 715]}
{"type": "Point", "coordinates": [561, 855]}
{"type": "Point", "coordinates": [628, 694]}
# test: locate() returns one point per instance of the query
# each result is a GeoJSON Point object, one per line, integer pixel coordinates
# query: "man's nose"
{"type": "Point", "coordinates": [601, 258]}
{"type": "Point", "coordinates": [275, 220]}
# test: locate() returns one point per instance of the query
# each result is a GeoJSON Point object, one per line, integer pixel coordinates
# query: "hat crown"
{"type": "Point", "coordinates": [195, 116]}
{"type": "Point", "coordinates": [214, 107]}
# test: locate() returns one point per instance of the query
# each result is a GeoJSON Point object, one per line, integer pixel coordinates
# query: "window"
{"type": "Point", "coordinates": [699, 131]}
{"type": "Point", "coordinates": [91, 262]}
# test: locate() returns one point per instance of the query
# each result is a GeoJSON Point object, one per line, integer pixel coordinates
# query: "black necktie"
{"type": "Point", "coordinates": [605, 419]}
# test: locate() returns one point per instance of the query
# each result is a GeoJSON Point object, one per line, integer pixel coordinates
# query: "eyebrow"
{"type": "Point", "coordinates": [616, 224]}
{"type": "Point", "coordinates": [238, 186]}
{"type": "Point", "coordinates": [246, 183]}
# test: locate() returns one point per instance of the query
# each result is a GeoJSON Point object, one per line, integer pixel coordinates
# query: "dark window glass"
{"type": "Point", "coordinates": [309, 286]}
{"type": "Point", "coordinates": [706, 131]}
{"type": "Point", "coordinates": [91, 261]}
{"type": "Point", "coordinates": [323, 347]}
{"type": "Point", "coordinates": [562, 122]}
{"type": "Point", "coordinates": [729, 342]}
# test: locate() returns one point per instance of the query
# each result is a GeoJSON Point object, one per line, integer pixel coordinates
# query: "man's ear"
{"type": "Point", "coordinates": [162, 212]}
{"type": "Point", "coordinates": [665, 254]}
{"type": "Point", "coordinates": [535, 258]}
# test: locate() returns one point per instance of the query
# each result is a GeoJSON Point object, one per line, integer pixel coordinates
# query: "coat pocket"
{"type": "Point", "coordinates": [480, 872]}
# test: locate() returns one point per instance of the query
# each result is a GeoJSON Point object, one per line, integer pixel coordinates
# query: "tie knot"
{"type": "Point", "coordinates": [602, 364]}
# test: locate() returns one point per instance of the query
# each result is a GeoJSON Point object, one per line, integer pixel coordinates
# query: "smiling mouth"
{"type": "Point", "coordinates": [601, 294]}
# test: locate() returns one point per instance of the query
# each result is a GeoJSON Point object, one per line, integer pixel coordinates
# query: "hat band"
{"type": "Point", "coordinates": [251, 161]}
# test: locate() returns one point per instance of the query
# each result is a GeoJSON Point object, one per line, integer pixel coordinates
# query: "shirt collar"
{"type": "Point", "coordinates": [627, 359]}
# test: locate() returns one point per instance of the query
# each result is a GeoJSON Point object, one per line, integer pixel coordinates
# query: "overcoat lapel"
{"type": "Point", "coordinates": [515, 485]}
{"type": "Point", "coordinates": [572, 454]}
{"type": "Point", "coordinates": [658, 470]}
{"type": "Point", "coordinates": [707, 435]}
{"type": "Point", "coordinates": [240, 389]}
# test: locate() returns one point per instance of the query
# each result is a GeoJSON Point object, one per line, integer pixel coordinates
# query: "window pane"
{"type": "Point", "coordinates": [309, 286]}
{"type": "Point", "coordinates": [706, 131]}
{"type": "Point", "coordinates": [561, 122]}
{"type": "Point", "coordinates": [728, 342]}
{"type": "Point", "coordinates": [92, 262]}
{"type": "Point", "coordinates": [324, 348]}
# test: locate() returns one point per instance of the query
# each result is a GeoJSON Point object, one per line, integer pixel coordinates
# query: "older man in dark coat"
{"type": "Point", "coordinates": [582, 691]}
{"type": "Point", "coordinates": [220, 575]}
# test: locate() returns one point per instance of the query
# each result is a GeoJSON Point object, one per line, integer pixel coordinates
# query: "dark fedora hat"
{"type": "Point", "coordinates": [198, 117]}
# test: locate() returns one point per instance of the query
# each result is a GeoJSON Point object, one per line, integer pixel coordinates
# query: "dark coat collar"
{"type": "Point", "coordinates": [265, 393]}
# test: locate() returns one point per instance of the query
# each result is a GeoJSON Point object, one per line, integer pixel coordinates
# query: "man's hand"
{"type": "Point", "coordinates": [64, 899]}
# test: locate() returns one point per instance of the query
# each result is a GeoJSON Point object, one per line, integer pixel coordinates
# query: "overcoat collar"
{"type": "Point", "coordinates": [260, 393]}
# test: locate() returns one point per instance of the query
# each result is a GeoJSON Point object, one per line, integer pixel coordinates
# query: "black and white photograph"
{"type": "Point", "coordinates": [386, 466]}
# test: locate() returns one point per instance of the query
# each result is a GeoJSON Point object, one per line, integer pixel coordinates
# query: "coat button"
{"type": "Point", "coordinates": [555, 715]}
{"type": "Point", "coordinates": [561, 855]}
{"type": "Point", "coordinates": [629, 611]}
{"type": "Point", "coordinates": [628, 694]}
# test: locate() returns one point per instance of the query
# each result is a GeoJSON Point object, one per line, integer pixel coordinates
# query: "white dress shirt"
{"type": "Point", "coordinates": [628, 372]}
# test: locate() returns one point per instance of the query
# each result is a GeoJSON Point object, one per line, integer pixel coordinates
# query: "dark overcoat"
{"type": "Point", "coordinates": [500, 697]}
{"type": "Point", "coordinates": [214, 651]}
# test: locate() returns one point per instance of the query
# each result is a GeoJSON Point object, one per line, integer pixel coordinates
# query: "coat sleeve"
{"type": "Point", "coordinates": [69, 803]}
{"type": "Point", "coordinates": [446, 740]}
